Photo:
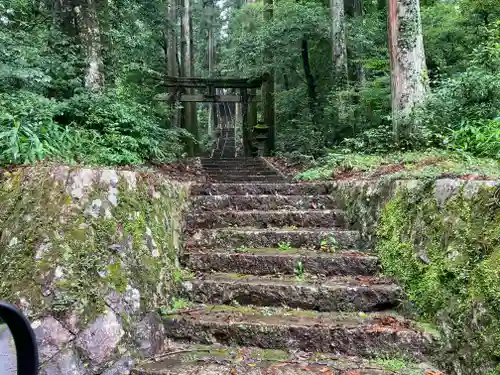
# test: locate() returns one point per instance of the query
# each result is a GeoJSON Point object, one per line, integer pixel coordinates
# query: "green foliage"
{"type": "Point", "coordinates": [125, 132]}
{"type": "Point", "coordinates": [299, 270]}
{"type": "Point", "coordinates": [481, 138]}
{"type": "Point", "coordinates": [27, 130]}
{"type": "Point", "coordinates": [446, 257]}
{"type": "Point", "coordinates": [47, 114]}
{"type": "Point", "coordinates": [96, 129]}
{"type": "Point", "coordinates": [466, 97]}
{"type": "Point", "coordinates": [175, 305]}
{"type": "Point", "coordinates": [283, 246]}
{"type": "Point", "coordinates": [329, 244]}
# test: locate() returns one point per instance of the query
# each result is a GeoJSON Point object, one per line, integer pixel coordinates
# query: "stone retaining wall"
{"type": "Point", "coordinates": [88, 255]}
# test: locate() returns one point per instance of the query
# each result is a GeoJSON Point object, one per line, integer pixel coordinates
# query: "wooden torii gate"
{"type": "Point", "coordinates": [247, 87]}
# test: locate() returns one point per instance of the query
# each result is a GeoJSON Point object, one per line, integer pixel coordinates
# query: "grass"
{"type": "Point", "coordinates": [403, 165]}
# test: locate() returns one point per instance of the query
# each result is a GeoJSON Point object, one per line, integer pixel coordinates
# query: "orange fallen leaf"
{"type": "Point", "coordinates": [430, 372]}
{"type": "Point", "coordinates": [324, 369]}
{"type": "Point", "coordinates": [233, 371]}
{"type": "Point", "coordinates": [280, 364]}
{"type": "Point", "coordinates": [353, 373]}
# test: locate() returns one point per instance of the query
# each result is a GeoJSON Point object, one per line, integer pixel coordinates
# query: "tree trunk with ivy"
{"type": "Point", "coordinates": [90, 36]}
{"type": "Point", "coordinates": [409, 82]}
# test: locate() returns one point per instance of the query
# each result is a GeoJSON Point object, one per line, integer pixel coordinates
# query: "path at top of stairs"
{"type": "Point", "coordinates": [276, 266]}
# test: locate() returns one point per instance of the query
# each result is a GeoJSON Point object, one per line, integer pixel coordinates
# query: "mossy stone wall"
{"type": "Point", "coordinates": [441, 240]}
{"type": "Point", "coordinates": [88, 253]}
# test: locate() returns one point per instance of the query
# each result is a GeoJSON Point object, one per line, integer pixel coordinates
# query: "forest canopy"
{"type": "Point", "coordinates": [78, 80]}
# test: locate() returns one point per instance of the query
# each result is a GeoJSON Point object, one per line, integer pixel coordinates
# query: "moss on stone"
{"type": "Point", "coordinates": [62, 250]}
{"type": "Point", "coordinates": [446, 254]}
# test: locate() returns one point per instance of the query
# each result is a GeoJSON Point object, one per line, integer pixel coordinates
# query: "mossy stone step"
{"type": "Point", "coordinates": [366, 335]}
{"type": "Point", "coordinates": [235, 174]}
{"type": "Point", "coordinates": [305, 292]}
{"type": "Point", "coordinates": [241, 172]}
{"type": "Point", "coordinates": [313, 238]}
{"type": "Point", "coordinates": [283, 188]}
{"type": "Point", "coordinates": [247, 178]}
{"type": "Point", "coordinates": [233, 159]}
{"type": "Point", "coordinates": [232, 162]}
{"type": "Point", "coordinates": [188, 359]}
{"type": "Point", "coordinates": [265, 219]}
{"type": "Point", "coordinates": [263, 202]}
{"type": "Point", "coordinates": [285, 261]}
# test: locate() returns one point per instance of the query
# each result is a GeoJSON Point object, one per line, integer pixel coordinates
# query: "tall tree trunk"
{"type": "Point", "coordinates": [187, 62]}
{"type": "Point", "coordinates": [339, 49]}
{"type": "Point", "coordinates": [64, 16]}
{"type": "Point", "coordinates": [358, 13]}
{"type": "Point", "coordinates": [409, 82]}
{"type": "Point", "coordinates": [211, 65]}
{"type": "Point", "coordinates": [268, 85]}
{"type": "Point", "coordinates": [90, 36]}
{"type": "Point", "coordinates": [172, 58]}
{"type": "Point", "coordinates": [311, 83]}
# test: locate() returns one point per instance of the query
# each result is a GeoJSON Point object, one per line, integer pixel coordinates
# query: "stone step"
{"type": "Point", "coordinates": [189, 359]}
{"type": "Point", "coordinates": [234, 162]}
{"type": "Point", "coordinates": [283, 188]}
{"type": "Point", "coordinates": [240, 170]}
{"type": "Point", "coordinates": [237, 173]}
{"type": "Point", "coordinates": [248, 178]}
{"type": "Point", "coordinates": [265, 219]}
{"type": "Point", "coordinates": [272, 261]}
{"type": "Point", "coordinates": [353, 334]}
{"type": "Point", "coordinates": [234, 167]}
{"type": "Point", "coordinates": [235, 159]}
{"type": "Point", "coordinates": [363, 293]}
{"type": "Point", "coordinates": [230, 238]}
{"type": "Point", "coordinates": [263, 202]}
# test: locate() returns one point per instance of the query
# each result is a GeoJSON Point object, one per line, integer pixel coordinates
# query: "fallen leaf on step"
{"type": "Point", "coordinates": [280, 364]}
{"type": "Point", "coordinates": [430, 372]}
{"type": "Point", "coordinates": [233, 371]}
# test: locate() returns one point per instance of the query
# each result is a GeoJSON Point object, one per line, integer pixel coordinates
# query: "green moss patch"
{"type": "Point", "coordinates": [447, 257]}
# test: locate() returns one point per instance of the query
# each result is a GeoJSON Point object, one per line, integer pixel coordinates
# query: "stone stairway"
{"type": "Point", "coordinates": [239, 169]}
{"type": "Point", "coordinates": [280, 285]}
{"type": "Point", "coordinates": [226, 144]}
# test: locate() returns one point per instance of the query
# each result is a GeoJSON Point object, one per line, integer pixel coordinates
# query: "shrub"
{"type": "Point", "coordinates": [27, 129]}
{"type": "Point", "coordinates": [129, 133]}
{"type": "Point", "coordinates": [480, 138]}
{"type": "Point", "coordinates": [95, 129]}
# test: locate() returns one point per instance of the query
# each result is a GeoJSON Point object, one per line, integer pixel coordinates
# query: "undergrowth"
{"type": "Point", "coordinates": [402, 165]}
